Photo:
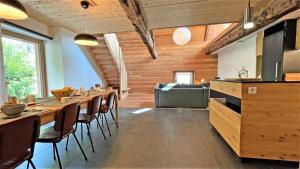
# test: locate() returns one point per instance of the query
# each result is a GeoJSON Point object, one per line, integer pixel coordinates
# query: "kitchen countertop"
{"type": "Point", "coordinates": [254, 81]}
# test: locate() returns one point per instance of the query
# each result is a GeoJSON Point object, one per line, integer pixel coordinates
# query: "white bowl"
{"type": "Point", "coordinates": [13, 110]}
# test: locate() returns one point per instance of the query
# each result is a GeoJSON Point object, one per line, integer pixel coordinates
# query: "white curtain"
{"type": "Point", "coordinates": [3, 94]}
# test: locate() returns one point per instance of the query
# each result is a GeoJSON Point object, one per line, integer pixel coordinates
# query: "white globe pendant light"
{"type": "Point", "coordinates": [182, 36]}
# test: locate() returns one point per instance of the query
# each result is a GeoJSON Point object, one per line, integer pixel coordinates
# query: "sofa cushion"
{"type": "Point", "coordinates": [182, 97]}
{"type": "Point", "coordinates": [174, 85]}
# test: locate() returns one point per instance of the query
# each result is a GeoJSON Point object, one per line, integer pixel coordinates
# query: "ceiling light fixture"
{"type": "Point", "coordinates": [182, 36]}
{"type": "Point", "coordinates": [85, 39]}
{"type": "Point", "coordinates": [248, 17]}
{"type": "Point", "coordinates": [12, 9]}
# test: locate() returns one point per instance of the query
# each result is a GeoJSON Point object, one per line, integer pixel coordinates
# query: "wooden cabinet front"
{"type": "Point", "coordinates": [271, 121]}
{"type": "Point", "coordinates": [227, 123]}
{"type": "Point", "coordinates": [268, 125]}
{"type": "Point", "coordinates": [229, 88]}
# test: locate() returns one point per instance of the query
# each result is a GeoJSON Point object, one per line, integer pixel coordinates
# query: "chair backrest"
{"type": "Point", "coordinates": [94, 105]}
{"type": "Point", "coordinates": [111, 100]}
{"type": "Point", "coordinates": [18, 138]}
{"type": "Point", "coordinates": [66, 118]}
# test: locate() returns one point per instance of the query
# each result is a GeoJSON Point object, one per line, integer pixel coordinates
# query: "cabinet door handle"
{"type": "Point", "coordinates": [276, 70]}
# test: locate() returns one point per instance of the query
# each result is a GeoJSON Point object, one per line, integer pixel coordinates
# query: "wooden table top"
{"type": "Point", "coordinates": [33, 110]}
{"type": "Point", "coordinates": [50, 106]}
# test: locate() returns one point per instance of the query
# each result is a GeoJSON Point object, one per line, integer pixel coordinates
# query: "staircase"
{"type": "Point", "coordinates": [106, 63]}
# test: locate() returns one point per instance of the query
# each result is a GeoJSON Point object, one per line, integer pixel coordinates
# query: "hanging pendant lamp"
{"type": "Point", "coordinates": [248, 17]}
{"type": "Point", "coordinates": [85, 39]}
{"type": "Point", "coordinates": [12, 9]}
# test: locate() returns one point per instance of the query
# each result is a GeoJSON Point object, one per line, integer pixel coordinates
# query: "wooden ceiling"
{"type": "Point", "coordinates": [109, 16]}
{"type": "Point", "coordinates": [175, 13]}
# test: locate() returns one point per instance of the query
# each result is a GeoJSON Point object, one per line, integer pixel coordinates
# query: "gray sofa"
{"type": "Point", "coordinates": [180, 95]}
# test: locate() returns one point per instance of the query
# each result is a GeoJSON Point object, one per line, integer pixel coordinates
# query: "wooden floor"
{"type": "Point", "coordinates": [151, 138]}
{"type": "Point", "coordinates": [138, 100]}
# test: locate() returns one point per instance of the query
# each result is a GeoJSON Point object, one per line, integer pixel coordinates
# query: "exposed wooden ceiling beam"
{"type": "Point", "coordinates": [262, 16]}
{"type": "Point", "coordinates": [135, 14]}
{"type": "Point", "coordinates": [206, 34]}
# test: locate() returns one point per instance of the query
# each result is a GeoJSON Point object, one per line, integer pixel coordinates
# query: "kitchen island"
{"type": "Point", "coordinates": [258, 119]}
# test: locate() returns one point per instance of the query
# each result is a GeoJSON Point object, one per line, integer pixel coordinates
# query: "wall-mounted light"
{"type": "Point", "coordinates": [12, 9]}
{"type": "Point", "coordinates": [248, 17]}
{"type": "Point", "coordinates": [86, 39]}
{"type": "Point", "coordinates": [182, 36]}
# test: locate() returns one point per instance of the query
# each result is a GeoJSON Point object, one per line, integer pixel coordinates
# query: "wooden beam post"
{"type": "Point", "coordinates": [135, 14]}
{"type": "Point", "coordinates": [262, 16]}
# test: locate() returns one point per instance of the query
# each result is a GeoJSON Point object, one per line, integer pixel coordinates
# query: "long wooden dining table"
{"type": "Point", "coordinates": [49, 107]}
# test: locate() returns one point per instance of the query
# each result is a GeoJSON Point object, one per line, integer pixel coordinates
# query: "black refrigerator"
{"type": "Point", "coordinates": [277, 39]}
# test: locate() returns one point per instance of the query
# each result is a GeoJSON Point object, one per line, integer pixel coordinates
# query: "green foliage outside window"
{"type": "Point", "coordinates": [19, 72]}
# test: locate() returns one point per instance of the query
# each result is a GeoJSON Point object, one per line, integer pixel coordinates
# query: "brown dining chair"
{"type": "Point", "coordinates": [87, 118]}
{"type": "Point", "coordinates": [17, 141]}
{"type": "Point", "coordinates": [64, 124]}
{"type": "Point", "coordinates": [108, 107]}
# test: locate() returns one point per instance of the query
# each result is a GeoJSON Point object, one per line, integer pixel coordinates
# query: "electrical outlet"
{"type": "Point", "coordinates": [252, 90]}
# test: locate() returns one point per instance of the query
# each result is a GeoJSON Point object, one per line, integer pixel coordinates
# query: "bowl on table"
{"type": "Point", "coordinates": [58, 94]}
{"type": "Point", "coordinates": [13, 110]}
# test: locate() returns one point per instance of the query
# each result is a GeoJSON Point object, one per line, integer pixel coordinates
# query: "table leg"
{"type": "Point", "coordinates": [117, 109]}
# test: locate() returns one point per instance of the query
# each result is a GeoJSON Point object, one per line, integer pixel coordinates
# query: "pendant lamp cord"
{"type": "Point", "coordinates": [85, 21]}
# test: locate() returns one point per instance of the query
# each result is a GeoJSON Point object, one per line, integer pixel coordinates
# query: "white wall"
{"type": "Point", "coordinates": [54, 61]}
{"type": "Point", "coordinates": [78, 72]}
{"type": "Point", "coordinates": [231, 59]}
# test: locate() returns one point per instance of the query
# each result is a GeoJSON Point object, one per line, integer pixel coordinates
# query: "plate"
{"type": "Point", "coordinates": [11, 117]}
{"type": "Point", "coordinates": [33, 110]}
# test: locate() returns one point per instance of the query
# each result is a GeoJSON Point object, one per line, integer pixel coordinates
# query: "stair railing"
{"type": "Point", "coordinates": [116, 52]}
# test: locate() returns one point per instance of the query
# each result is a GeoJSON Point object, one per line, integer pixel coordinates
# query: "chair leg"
{"type": "Point", "coordinates": [27, 165]}
{"type": "Point", "coordinates": [112, 115]}
{"type": "Point", "coordinates": [67, 143]}
{"type": "Point", "coordinates": [107, 125]}
{"type": "Point", "coordinates": [54, 144]}
{"type": "Point", "coordinates": [98, 124]}
{"type": "Point", "coordinates": [80, 146]}
{"type": "Point", "coordinates": [54, 157]}
{"type": "Point", "coordinates": [89, 134]}
{"type": "Point", "coordinates": [102, 132]}
{"type": "Point", "coordinates": [102, 120]}
{"type": "Point", "coordinates": [81, 131]}
{"type": "Point", "coordinates": [31, 163]}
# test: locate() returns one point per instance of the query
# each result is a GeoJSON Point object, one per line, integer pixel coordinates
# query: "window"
{"type": "Point", "coordinates": [23, 65]}
{"type": "Point", "coordinates": [184, 77]}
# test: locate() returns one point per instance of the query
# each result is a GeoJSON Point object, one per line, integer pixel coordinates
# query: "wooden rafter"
{"type": "Point", "coordinates": [135, 14]}
{"type": "Point", "coordinates": [206, 34]}
{"type": "Point", "coordinates": [262, 16]}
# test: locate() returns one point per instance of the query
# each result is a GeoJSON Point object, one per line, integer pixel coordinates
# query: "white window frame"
{"type": "Point", "coordinates": [41, 69]}
{"type": "Point", "coordinates": [190, 72]}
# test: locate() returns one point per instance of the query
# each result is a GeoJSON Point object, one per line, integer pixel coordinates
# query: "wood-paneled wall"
{"type": "Point", "coordinates": [144, 72]}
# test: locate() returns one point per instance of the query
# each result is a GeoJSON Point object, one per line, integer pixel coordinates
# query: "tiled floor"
{"type": "Point", "coordinates": [150, 138]}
